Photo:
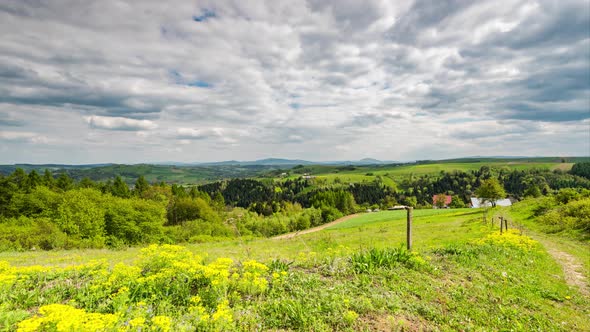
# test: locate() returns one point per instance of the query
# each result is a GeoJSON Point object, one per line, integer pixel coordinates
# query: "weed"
{"type": "Point", "coordinates": [369, 261]}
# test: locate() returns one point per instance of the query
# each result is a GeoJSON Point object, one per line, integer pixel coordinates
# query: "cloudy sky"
{"type": "Point", "coordinates": [145, 81]}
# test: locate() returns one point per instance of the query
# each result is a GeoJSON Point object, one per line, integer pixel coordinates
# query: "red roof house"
{"type": "Point", "coordinates": [448, 200]}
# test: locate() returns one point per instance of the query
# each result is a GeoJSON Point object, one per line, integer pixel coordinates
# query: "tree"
{"type": "Point", "coordinates": [218, 201]}
{"type": "Point", "coordinates": [86, 183]}
{"type": "Point", "coordinates": [532, 191]}
{"type": "Point", "coordinates": [457, 203]}
{"type": "Point", "coordinates": [20, 178]}
{"type": "Point", "coordinates": [80, 214]}
{"type": "Point", "coordinates": [64, 182]}
{"type": "Point", "coordinates": [134, 220]}
{"type": "Point", "coordinates": [48, 180]}
{"type": "Point", "coordinates": [581, 169]}
{"type": "Point", "coordinates": [33, 180]}
{"type": "Point", "coordinates": [440, 200]}
{"type": "Point", "coordinates": [183, 209]}
{"type": "Point", "coordinates": [120, 188]}
{"type": "Point", "coordinates": [490, 190]}
{"type": "Point", "coordinates": [141, 185]}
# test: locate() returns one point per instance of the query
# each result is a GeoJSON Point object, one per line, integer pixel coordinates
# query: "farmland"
{"type": "Point", "coordinates": [360, 277]}
{"type": "Point", "coordinates": [198, 174]}
{"type": "Point", "coordinates": [393, 173]}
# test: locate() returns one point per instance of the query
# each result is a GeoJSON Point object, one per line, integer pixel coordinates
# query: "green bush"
{"type": "Point", "coordinates": [134, 220]}
{"type": "Point", "coordinates": [574, 215]}
{"type": "Point", "coordinates": [80, 214]}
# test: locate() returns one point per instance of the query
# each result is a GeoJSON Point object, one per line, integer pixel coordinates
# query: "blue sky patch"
{"type": "Point", "coordinates": [206, 14]}
{"type": "Point", "coordinates": [200, 84]}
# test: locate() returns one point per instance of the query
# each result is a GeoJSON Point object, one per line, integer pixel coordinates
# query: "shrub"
{"type": "Point", "coordinates": [574, 215]}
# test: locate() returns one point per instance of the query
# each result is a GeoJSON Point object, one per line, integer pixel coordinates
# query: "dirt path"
{"type": "Point", "coordinates": [571, 266]}
{"type": "Point", "coordinates": [315, 229]}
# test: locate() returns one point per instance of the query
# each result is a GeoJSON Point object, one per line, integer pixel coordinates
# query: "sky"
{"type": "Point", "coordinates": [191, 81]}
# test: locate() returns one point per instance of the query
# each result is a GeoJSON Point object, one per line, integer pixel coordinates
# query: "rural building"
{"type": "Point", "coordinates": [477, 202]}
{"type": "Point", "coordinates": [448, 200]}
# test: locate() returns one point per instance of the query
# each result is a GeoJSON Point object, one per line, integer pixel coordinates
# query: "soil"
{"type": "Point", "coordinates": [315, 229]}
{"type": "Point", "coordinates": [571, 268]}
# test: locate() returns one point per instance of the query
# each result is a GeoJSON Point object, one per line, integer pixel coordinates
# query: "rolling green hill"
{"type": "Point", "coordinates": [199, 174]}
{"type": "Point", "coordinates": [462, 275]}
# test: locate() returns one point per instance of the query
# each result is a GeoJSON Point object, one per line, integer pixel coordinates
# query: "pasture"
{"type": "Point", "coordinates": [354, 276]}
{"type": "Point", "coordinates": [392, 173]}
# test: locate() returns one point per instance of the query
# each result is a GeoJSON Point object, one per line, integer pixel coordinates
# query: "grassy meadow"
{"type": "Point", "coordinates": [392, 173]}
{"type": "Point", "coordinates": [353, 276]}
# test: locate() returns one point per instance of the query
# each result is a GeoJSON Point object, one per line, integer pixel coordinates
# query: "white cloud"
{"type": "Point", "coordinates": [119, 123]}
{"type": "Point", "coordinates": [352, 79]}
{"type": "Point", "coordinates": [21, 136]}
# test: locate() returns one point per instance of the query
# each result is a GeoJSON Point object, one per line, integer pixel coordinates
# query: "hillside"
{"type": "Point", "coordinates": [350, 171]}
{"type": "Point", "coordinates": [349, 278]}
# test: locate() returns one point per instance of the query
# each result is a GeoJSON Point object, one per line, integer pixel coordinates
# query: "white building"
{"type": "Point", "coordinates": [477, 202]}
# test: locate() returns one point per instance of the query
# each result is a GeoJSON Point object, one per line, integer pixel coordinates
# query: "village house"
{"type": "Point", "coordinates": [478, 202]}
{"type": "Point", "coordinates": [447, 201]}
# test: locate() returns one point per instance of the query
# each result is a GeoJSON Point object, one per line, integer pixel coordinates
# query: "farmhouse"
{"type": "Point", "coordinates": [447, 201]}
{"type": "Point", "coordinates": [477, 202]}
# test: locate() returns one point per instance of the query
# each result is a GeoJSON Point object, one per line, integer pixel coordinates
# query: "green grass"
{"type": "Point", "coordinates": [422, 169]}
{"type": "Point", "coordinates": [386, 228]}
{"type": "Point", "coordinates": [356, 276]}
{"type": "Point", "coordinates": [392, 173]}
{"type": "Point", "coordinates": [400, 215]}
{"type": "Point", "coordinates": [571, 243]}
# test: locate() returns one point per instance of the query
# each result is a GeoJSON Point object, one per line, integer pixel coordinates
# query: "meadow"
{"type": "Point", "coordinates": [354, 276]}
{"type": "Point", "coordinates": [393, 173]}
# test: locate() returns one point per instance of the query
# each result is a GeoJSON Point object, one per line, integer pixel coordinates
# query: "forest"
{"type": "Point", "coordinates": [44, 211]}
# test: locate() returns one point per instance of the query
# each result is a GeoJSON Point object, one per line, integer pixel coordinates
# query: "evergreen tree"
{"type": "Point", "coordinates": [64, 182]}
{"type": "Point", "coordinates": [86, 183]}
{"type": "Point", "coordinates": [33, 180]}
{"type": "Point", "coordinates": [19, 178]}
{"type": "Point", "coordinates": [120, 188]}
{"type": "Point", "coordinates": [48, 180]}
{"type": "Point", "coordinates": [141, 185]}
{"type": "Point", "coordinates": [581, 169]}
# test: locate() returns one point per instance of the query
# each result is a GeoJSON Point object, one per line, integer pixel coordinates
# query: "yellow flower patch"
{"type": "Point", "coordinates": [511, 238]}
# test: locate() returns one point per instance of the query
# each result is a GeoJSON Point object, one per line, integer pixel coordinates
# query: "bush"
{"type": "Point", "coordinates": [26, 234]}
{"type": "Point", "coordinates": [185, 209]}
{"type": "Point", "coordinates": [134, 220]}
{"type": "Point", "coordinates": [566, 195]}
{"type": "Point", "coordinates": [80, 214]}
{"type": "Point", "coordinates": [574, 215]}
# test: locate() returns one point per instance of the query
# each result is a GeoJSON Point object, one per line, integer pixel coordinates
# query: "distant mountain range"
{"type": "Point", "coordinates": [282, 162]}
{"type": "Point", "coordinates": [295, 162]}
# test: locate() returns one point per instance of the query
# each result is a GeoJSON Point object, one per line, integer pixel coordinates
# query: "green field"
{"type": "Point", "coordinates": [576, 244]}
{"type": "Point", "coordinates": [350, 277]}
{"type": "Point", "coordinates": [199, 174]}
{"type": "Point", "coordinates": [393, 173]}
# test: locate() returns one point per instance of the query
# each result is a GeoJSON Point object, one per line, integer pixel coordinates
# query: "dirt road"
{"type": "Point", "coordinates": [315, 229]}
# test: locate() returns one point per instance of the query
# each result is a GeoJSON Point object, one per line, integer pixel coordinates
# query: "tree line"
{"type": "Point", "coordinates": [47, 211]}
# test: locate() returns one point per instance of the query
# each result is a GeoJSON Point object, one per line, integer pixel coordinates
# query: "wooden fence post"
{"type": "Point", "coordinates": [501, 224]}
{"type": "Point", "coordinates": [409, 228]}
